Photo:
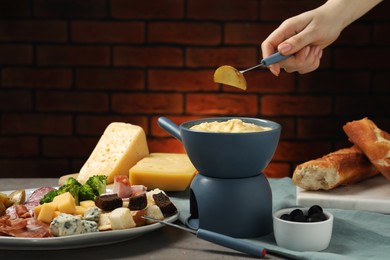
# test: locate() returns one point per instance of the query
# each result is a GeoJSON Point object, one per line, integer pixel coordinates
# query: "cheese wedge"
{"type": "Point", "coordinates": [120, 147]}
{"type": "Point", "coordinates": [166, 171]}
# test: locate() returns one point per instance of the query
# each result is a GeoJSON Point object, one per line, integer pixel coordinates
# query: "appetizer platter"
{"type": "Point", "coordinates": [102, 237]}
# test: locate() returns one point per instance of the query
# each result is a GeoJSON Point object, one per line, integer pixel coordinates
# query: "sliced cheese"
{"type": "Point", "coordinates": [120, 147]}
{"type": "Point", "coordinates": [166, 171]}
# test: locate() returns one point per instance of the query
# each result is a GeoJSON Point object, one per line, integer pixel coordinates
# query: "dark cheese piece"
{"type": "Point", "coordinates": [165, 204]}
{"type": "Point", "coordinates": [108, 202]}
{"type": "Point", "coordinates": [138, 202]}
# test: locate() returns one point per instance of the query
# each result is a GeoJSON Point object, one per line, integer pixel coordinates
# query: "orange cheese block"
{"type": "Point", "coordinates": [166, 171]}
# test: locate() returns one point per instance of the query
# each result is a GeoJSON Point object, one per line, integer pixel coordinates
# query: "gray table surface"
{"type": "Point", "coordinates": [164, 243]}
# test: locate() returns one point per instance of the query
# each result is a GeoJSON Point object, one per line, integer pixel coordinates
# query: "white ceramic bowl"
{"type": "Point", "coordinates": [302, 236]}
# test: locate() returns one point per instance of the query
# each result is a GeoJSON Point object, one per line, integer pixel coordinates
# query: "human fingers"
{"type": "Point", "coordinates": [304, 61]}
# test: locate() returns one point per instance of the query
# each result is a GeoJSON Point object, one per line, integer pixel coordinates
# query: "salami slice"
{"type": "Point", "coordinates": [37, 195]}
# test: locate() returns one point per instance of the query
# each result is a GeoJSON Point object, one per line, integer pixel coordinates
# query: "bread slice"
{"type": "Point", "coordinates": [342, 167]}
{"type": "Point", "coordinates": [374, 143]}
{"type": "Point", "coordinates": [120, 147]}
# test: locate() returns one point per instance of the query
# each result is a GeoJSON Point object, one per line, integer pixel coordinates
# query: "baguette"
{"type": "Point", "coordinates": [342, 167]}
{"type": "Point", "coordinates": [374, 143]}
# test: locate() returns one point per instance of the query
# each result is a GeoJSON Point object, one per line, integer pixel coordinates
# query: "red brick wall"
{"type": "Point", "coordinates": [68, 68]}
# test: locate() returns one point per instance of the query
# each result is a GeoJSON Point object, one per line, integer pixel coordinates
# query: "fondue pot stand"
{"type": "Point", "coordinates": [230, 194]}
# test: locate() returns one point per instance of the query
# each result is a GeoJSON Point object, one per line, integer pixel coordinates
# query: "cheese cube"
{"type": "Point", "coordinates": [56, 214]}
{"type": "Point", "coordinates": [87, 203]}
{"type": "Point", "coordinates": [79, 210]}
{"type": "Point", "coordinates": [37, 209]}
{"type": "Point", "coordinates": [153, 211]}
{"type": "Point", "coordinates": [46, 214]}
{"type": "Point", "coordinates": [65, 203]}
{"type": "Point", "coordinates": [92, 214]}
{"type": "Point", "coordinates": [166, 171]}
{"type": "Point", "coordinates": [66, 225]}
{"type": "Point", "coordinates": [120, 147]}
{"type": "Point", "coordinates": [121, 218]}
{"type": "Point", "coordinates": [89, 226]}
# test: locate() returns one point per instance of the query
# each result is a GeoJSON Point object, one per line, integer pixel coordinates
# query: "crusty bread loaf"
{"type": "Point", "coordinates": [342, 167]}
{"type": "Point", "coordinates": [374, 143]}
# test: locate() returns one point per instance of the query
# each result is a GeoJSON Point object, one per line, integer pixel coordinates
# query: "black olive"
{"type": "Point", "coordinates": [314, 209]}
{"type": "Point", "coordinates": [286, 217]}
{"type": "Point", "coordinates": [296, 212]}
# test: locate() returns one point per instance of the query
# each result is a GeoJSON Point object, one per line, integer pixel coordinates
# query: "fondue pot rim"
{"type": "Point", "coordinates": [188, 124]}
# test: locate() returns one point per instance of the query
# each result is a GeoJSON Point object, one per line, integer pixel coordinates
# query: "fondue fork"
{"type": "Point", "coordinates": [220, 239]}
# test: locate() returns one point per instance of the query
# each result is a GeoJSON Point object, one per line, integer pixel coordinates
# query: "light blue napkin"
{"type": "Point", "coordinates": [356, 234]}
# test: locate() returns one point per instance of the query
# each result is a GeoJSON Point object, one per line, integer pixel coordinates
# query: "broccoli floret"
{"type": "Point", "coordinates": [86, 193]}
{"type": "Point", "coordinates": [72, 189]}
{"type": "Point", "coordinates": [72, 181]}
{"type": "Point", "coordinates": [49, 196]}
{"type": "Point", "coordinates": [98, 183]}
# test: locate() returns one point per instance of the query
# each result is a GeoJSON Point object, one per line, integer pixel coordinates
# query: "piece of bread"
{"type": "Point", "coordinates": [120, 147]}
{"type": "Point", "coordinates": [374, 143]}
{"type": "Point", "coordinates": [342, 167]}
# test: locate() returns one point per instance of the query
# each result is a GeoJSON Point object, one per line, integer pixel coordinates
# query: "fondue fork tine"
{"type": "Point", "coordinates": [223, 240]}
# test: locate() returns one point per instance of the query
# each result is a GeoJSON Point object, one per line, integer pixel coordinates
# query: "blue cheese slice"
{"type": "Point", "coordinates": [66, 225]}
{"type": "Point", "coordinates": [89, 226]}
{"type": "Point", "coordinates": [92, 214]}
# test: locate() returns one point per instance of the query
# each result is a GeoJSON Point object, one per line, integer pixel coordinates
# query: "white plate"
{"type": "Point", "coordinates": [77, 241]}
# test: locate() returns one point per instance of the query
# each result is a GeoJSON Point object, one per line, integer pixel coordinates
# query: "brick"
{"type": "Point", "coordinates": [62, 101]}
{"type": "Point", "coordinates": [335, 82]}
{"type": "Point", "coordinates": [107, 32]}
{"type": "Point", "coordinates": [364, 105]}
{"type": "Point", "coordinates": [361, 58]}
{"type": "Point", "coordinates": [33, 168]}
{"type": "Point", "coordinates": [278, 170]}
{"type": "Point", "coordinates": [295, 105]}
{"type": "Point", "coordinates": [33, 31]}
{"type": "Point", "coordinates": [37, 124]}
{"type": "Point", "coordinates": [262, 81]}
{"type": "Point", "coordinates": [18, 146]}
{"type": "Point", "coordinates": [222, 10]}
{"type": "Point", "coordinates": [15, 101]}
{"type": "Point", "coordinates": [184, 33]}
{"type": "Point", "coordinates": [11, 8]}
{"type": "Point", "coordinates": [70, 8]}
{"type": "Point", "coordinates": [148, 103]}
{"type": "Point", "coordinates": [247, 33]}
{"type": "Point", "coordinates": [381, 34]}
{"type": "Point", "coordinates": [16, 54]}
{"type": "Point", "coordinates": [381, 82]}
{"type": "Point", "coordinates": [295, 151]}
{"type": "Point", "coordinates": [288, 126]}
{"type": "Point", "coordinates": [357, 34]}
{"type": "Point", "coordinates": [237, 56]}
{"type": "Point", "coordinates": [279, 10]}
{"type": "Point", "coordinates": [95, 125]}
{"type": "Point", "coordinates": [221, 104]}
{"type": "Point", "coordinates": [73, 147]}
{"type": "Point", "coordinates": [37, 77]}
{"type": "Point", "coordinates": [166, 145]}
{"type": "Point", "coordinates": [148, 56]}
{"type": "Point", "coordinates": [320, 128]}
{"type": "Point", "coordinates": [154, 9]}
{"type": "Point", "coordinates": [181, 80]}
{"type": "Point", "coordinates": [157, 131]}
{"type": "Point", "coordinates": [122, 79]}
{"type": "Point", "coordinates": [73, 55]}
